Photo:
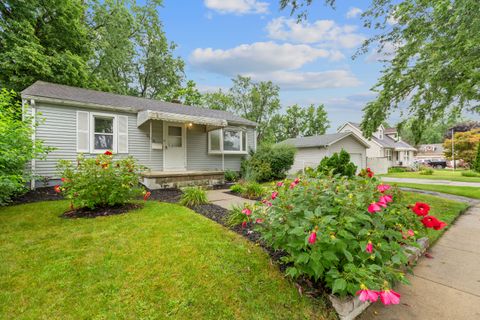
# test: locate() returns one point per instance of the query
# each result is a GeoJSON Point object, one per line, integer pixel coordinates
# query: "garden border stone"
{"type": "Point", "coordinates": [349, 308]}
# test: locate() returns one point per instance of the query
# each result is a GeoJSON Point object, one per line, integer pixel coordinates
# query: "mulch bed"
{"type": "Point", "coordinates": [101, 212]}
{"type": "Point", "coordinates": [39, 194]}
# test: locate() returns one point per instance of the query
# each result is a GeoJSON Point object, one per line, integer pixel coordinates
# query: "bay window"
{"type": "Point", "coordinates": [227, 141]}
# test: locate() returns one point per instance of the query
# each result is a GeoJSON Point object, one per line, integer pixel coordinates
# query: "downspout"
{"type": "Point", "coordinates": [223, 155]}
{"type": "Point", "coordinates": [150, 149]}
{"type": "Point", "coordinates": [33, 164]}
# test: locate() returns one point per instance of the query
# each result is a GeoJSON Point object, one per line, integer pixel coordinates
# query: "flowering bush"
{"type": "Point", "coordinates": [350, 234]}
{"type": "Point", "coordinates": [100, 181]}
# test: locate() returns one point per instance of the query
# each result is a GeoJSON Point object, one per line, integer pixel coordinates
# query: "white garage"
{"type": "Point", "coordinates": [311, 150]}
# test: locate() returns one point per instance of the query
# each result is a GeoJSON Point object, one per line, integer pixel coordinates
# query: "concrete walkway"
{"type": "Point", "coordinates": [431, 181]}
{"type": "Point", "coordinates": [225, 199]}
{"type": "Point", "coordinates": [446, 286]}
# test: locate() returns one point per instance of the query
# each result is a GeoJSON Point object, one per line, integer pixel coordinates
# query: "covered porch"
{"type": "Point", "coordinates": [177, 179]}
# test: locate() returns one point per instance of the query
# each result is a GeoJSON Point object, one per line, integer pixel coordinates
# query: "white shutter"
{"type": "Point", "coordinates": [122, 134]}
{"type": "Point", "coordinates": [83, 143]}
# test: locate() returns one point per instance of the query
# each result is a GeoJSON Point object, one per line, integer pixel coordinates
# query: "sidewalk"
{"type": "Point", "coordinates": [431, 181]}
{"type": "Point", "coordinates": [225, 199]}
{"type": "Point", "coordinates": [446, 286]}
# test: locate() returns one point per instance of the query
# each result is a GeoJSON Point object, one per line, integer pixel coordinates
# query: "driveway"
{"type": "Point", "coordinates": [431, 181]}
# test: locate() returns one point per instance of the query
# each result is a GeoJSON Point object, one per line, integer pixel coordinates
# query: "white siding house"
{"type": "Point", "coordinates": [311, 150]}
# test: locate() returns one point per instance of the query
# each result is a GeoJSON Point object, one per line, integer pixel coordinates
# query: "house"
{"type": "Point", "coordinates": [311, 150]}
{"type": "Point", "coordinates": [386, 147]}
{"type": "Point", "coordinates": [428, 152]}
{"type": "Point", "coordinates": [178, 144]}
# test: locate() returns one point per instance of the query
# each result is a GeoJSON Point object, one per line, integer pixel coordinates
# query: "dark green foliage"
{"type": "Point", "coordinates": [338, 163]}
{"type": "Point", "coordinates": [268, 163]}
{"type": "Point", "coordinates": [193, 196]}
{"type": "Point", "coordinates": [476, 164]}
{"type": "Point", "coordinates": [231, 176]}
{"type": "Point", "coordinates": [249, 189]}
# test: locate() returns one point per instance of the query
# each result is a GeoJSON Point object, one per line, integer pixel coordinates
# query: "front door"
{"type": "Point", "coordinates": [175, 146]}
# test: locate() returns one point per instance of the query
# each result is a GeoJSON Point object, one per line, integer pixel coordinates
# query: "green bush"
{"type": "Point", "coordinates": [238, 188]}
{"type": "Point", "coordinates": [231, 176]}
{"type": "Point", "coordinates": [235, 216]}
{"type": "Point", "coordinates": [337, 164]}
{"type": "Point", "coordinates": [426, 172]}
{"type": "Point", "coordinates": [470, 174]}
{"type": "Point", "coordinates": [476, 163]}
{"type": "Point", "coordinates": [100, 181]}
{"type": "Point", "coordinates": [268, 163]}
{"type": "Point", "coordinates": [253, 190]}
{"type": "Point", "coordinates": [397, 170]}
{"type": "Point", "coordinates": [193, 196]}
{"type": "Point", "coordinates": [16, 147]}
{"type": "Point", "coordinates": [342, 232]}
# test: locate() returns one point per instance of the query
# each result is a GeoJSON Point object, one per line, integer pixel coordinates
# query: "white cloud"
{"type": "Point", "coordinates": [237, 6]}
{"type": "Point", "coordinates": [326, 33]}
{"type": "Point", "coordinates": [292, 80]}
{"type": "Point", "coordinates": [258, 57]}
{"type": "Point", "coordinates": [353, 13]}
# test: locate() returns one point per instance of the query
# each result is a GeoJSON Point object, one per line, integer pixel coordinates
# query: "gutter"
{"type": "Point", "coordinates": [79, 104]}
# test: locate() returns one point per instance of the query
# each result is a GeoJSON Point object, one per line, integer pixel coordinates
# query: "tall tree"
{"type": "Point", "coordinates": [436, 64]}
{"type": "Point", "coordinates": [43, 39]}
{"type": "Point", "coordinates": [465, 145]}
{"type": "Point", "coordinates": [433, 133]}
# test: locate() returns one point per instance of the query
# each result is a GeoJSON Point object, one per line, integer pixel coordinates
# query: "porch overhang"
{"type": "Point", "coordinates": [405, 149]}
{"type": "Point", "coordinates": [144, 116]}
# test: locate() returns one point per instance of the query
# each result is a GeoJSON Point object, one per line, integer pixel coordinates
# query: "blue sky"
{"type": "Point", "coordinates": [311, 62]}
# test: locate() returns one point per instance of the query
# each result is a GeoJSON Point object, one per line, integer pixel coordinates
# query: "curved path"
{"type": "Point", "coordinates": [447, 286]}
{"type": "Point", "coordinates": [432, 181]}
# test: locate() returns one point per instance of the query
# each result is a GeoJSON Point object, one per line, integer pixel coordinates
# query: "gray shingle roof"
{"type": "Point", "coordinates": [387, 142]}
{"type": "Point", "coordinates": [74, 94]}
{"type": "Point", "coordinates": [318, 141]}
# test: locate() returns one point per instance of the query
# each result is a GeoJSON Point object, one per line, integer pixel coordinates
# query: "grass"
{"type": "Point", "coordinates": [162, 261]}
{"type": "Point", "coordinates": [443, 209]}
{"type": "Point", "coordinates": [470, 192]}
{"type": "Point", "coordinates": [437, 175]}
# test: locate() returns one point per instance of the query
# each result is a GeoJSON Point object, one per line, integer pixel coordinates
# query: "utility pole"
{"type": "Point", "coordinates": [453, 149]}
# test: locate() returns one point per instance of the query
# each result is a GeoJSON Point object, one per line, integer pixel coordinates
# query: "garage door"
{"type": "Point", "coordinates": [356, 158]}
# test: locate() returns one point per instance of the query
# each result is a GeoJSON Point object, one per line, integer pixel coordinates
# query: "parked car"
{"type": "Point", "coordinates": [438, 164]}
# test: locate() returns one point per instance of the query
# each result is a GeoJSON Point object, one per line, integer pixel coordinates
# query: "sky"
{"type": "Point", "coordinates": [311, 62]}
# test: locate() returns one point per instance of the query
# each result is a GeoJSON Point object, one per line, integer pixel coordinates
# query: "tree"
{"type": "Point", "coordinates": [465, 145]}
{"type": "Point", "coordinates": [218, 100]}
{"type": "Point", "coordinates": [476, 164]}
{"type": "Point", "coordinates": [435, 67]}
{"type": "Point", "coordinates": [16, 147]}
{"type": "Point", "coordinates": [299, 122]}
{"type": "Point", "coordinates": [461, 127]}
{"type": "Point", "coordinates": [433, 133]}
{"type": "Point", "coordinates": [43, 39]}
{"type": "Point", "coordinates": [188, 95]}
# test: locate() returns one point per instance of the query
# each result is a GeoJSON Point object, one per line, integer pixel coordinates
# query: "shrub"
{"type": "Point", "coordinates": [476, 162]}
{"type": "Point", "coordinates": [349, 233]}
{"type": "Point", "coordinates": [470, 174]}
{"type": "Point", "coordinates": [253, 190]}
{"type": "Point", "coordinates": [238, 188]}
{"type": "Point", "coordinates": [426, 171]}
{"type": "Point", "coordinates": [231, 176]}
{"type": "Point", "coordinates": [397, 170]}
{"type": "Point", "coordinates": [193, 196]}
{"type": "Point", "coordinates": [16, 147]}
{"type": "Point", "coordinates": [337, 164]}
{"type": "Point", "coordinates": [100, 181]}
{"type": "Point", "coordinates": [269, 163]}
{"type": "Point", "coordinates": [235, 216]}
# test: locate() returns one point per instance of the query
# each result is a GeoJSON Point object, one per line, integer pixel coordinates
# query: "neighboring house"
{"type": "Point", "coordinates": [427, 152]}
{"type": "Point", "coordinates": [178, 144]}
{"type": "Point", "coordinates": [311, 150]}
{"type": "Point", "coordinates": [386, 147]}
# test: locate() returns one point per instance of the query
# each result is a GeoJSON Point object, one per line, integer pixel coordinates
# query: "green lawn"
{"type": "Point", "coordinates": [437, 175]}
{"type": "Point", "coordinates": [163, 261]}
{"type": "Point", "coordinates": [470, 192]}
{"type": "Point", "coordinates": [443, 209]}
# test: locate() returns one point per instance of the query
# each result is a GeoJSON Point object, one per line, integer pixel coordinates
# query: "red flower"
{"type": "Point", "coordinates": [108, 153]}
{"type": "Point", "coordinates": [386, 198]}
{"type": "Point", "coordinates": [280, 184]}
{"type": "Point", "coordinates": [389, 297]}
{"type": "Point", "coordinates": [367, 295]}
{"type": "Point", "coordinates": [292, 185]}
{"type": "Point", "coordinates": [410, 232]}
{"type": "Point", "coordinates": [147, 195]}
{"type": "Point", "coordinates": [266, 202]}
{"type": "Point", "coordinates": [383, 187]}
{"type": "Point", "coordinates": [374, 207]}
{"type": "Point", "coordinates": [369, 247]}
{"type": "Point", "coordinates": [421, 209]}
{"type": "Point", "coordinates": [433, 223]}
{"type": "Point", "coordinates": [312, 238]}
{"type": "Point", "coordinates": [57, 189]}
{"type": "Point", "coordinates": [259, 221]}
{"type": "Point", "coordinates": [274, 195]}
{"type": "Point", "coordinates": [244, 224]}
{"type": "Point", "coordinates": [296, 181]}
{"type": "Point", "coordinates": [247, 211]}
{"type": "Point", "coordinates": [382, 203]}
{"type": "Point", "coordinates": [369, 173]}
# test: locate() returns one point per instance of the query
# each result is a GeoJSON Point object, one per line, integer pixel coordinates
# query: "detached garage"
{"type": "Point", "coordinates": [311, 150]}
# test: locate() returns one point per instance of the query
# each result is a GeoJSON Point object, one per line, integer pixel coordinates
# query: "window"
{"type": "Point", "coordinates": [103, 133]}
{"type": "Point", "coordinates": [227, 141]}
{"type": "Point", "coordinates": [175, 136]}
{"type": "Point", "coordinates": [406, 156]}
{"type": "Point", "coordinates": [388, 154]}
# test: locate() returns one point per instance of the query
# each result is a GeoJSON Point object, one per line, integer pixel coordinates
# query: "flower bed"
{"type": "Point", "coordinates": [353, 236]}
